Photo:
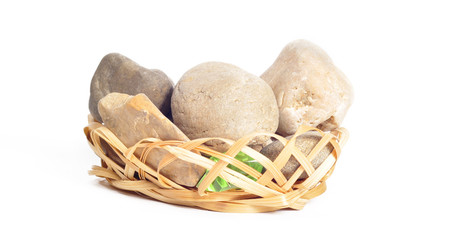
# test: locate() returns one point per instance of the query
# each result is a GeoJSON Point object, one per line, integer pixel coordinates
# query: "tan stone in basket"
{"type": "Point", "coordinates": [272, 191]}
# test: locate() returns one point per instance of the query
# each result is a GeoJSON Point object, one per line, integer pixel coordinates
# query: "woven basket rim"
{"type": "Point", "coordinates": [270, 192]}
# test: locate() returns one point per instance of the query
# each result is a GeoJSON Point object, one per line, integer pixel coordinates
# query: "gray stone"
{"type": "Point", "coordinates": [109, 151]}
{"type": "Point", "coordinates": [117, 73]}
{"type": "Point", "coordinates": [309, 88]}
{"type": "Point", "coordinates": [217, 99]}
{"type": "Point", "coordinates": [305, 142]}
{"type": "Point", "coordinates": [132, 119]}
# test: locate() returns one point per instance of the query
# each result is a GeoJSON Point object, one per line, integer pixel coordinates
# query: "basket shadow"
{"type": "Point", "coordinates": [102, 183]}
{"type": "Point", "coordinates": [105, 184]}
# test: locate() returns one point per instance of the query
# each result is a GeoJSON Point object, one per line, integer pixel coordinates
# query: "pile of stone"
{"type": "Point", "coordinates": [215, 99]}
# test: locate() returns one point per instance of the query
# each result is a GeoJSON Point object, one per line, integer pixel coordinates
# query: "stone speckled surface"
{"type": "Point", "coordinates": [308, 87]}
{"type": "Point", "coordinates": [217, 99]}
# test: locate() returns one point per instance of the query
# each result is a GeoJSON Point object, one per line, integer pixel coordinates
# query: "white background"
{"type": "Point", "coordinates": [395, 178]}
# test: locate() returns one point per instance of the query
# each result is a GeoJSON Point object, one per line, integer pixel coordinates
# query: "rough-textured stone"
{"type": "Point", "coordinates": [308, 87]}
{"type": "Point", "coordinates": [132, 119]}
{"type": "Point", "coordinates": [117, 73]}
{"type": "Point", "coordinates": [305, 142]}
{"type": "Point", "coordinates": [109, 151]}
{"type": "Point", "coordinates": [217, 99]}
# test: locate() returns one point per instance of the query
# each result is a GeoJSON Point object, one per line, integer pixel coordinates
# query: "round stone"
{"type": "Point", "coordinates": [217, 99]}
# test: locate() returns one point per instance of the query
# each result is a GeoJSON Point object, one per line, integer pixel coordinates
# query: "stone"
{"type": "Point", "coordinates": [216, 99]}
{"type": "Point", "coordinates": [117, 73]}
{"type": "Point", "coordinates": [305, 142]}
{"type": "Point", "coordinates": [133, 118]}
{"type": "Point", "coordinates": [308, 87]}
{"type": "Point", "coordinates": [109, 151]}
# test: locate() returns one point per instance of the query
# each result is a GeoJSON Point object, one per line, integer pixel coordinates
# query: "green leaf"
{"type": "Point", "coordinates": [220, 184]}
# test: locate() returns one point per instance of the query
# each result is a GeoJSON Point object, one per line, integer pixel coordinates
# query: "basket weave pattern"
{"type": "Point", "coordinates": [271, 191]}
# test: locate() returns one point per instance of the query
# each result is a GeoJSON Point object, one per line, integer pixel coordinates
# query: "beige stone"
{"type": "Point", "coordinates": [132, 119]}
{"type": "Point", "coordinates": [308, 87]}
{"type": "Point", "coordinates": [305, 142]}
{"type": "Point", "coordinates": [217, 99]}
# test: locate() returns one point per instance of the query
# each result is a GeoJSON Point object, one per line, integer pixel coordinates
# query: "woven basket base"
{"type": "Point", "coordinates": [270, 192]}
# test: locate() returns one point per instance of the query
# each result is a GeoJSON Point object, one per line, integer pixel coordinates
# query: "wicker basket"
{"type": "Point", "coordinates": [271, 191]}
